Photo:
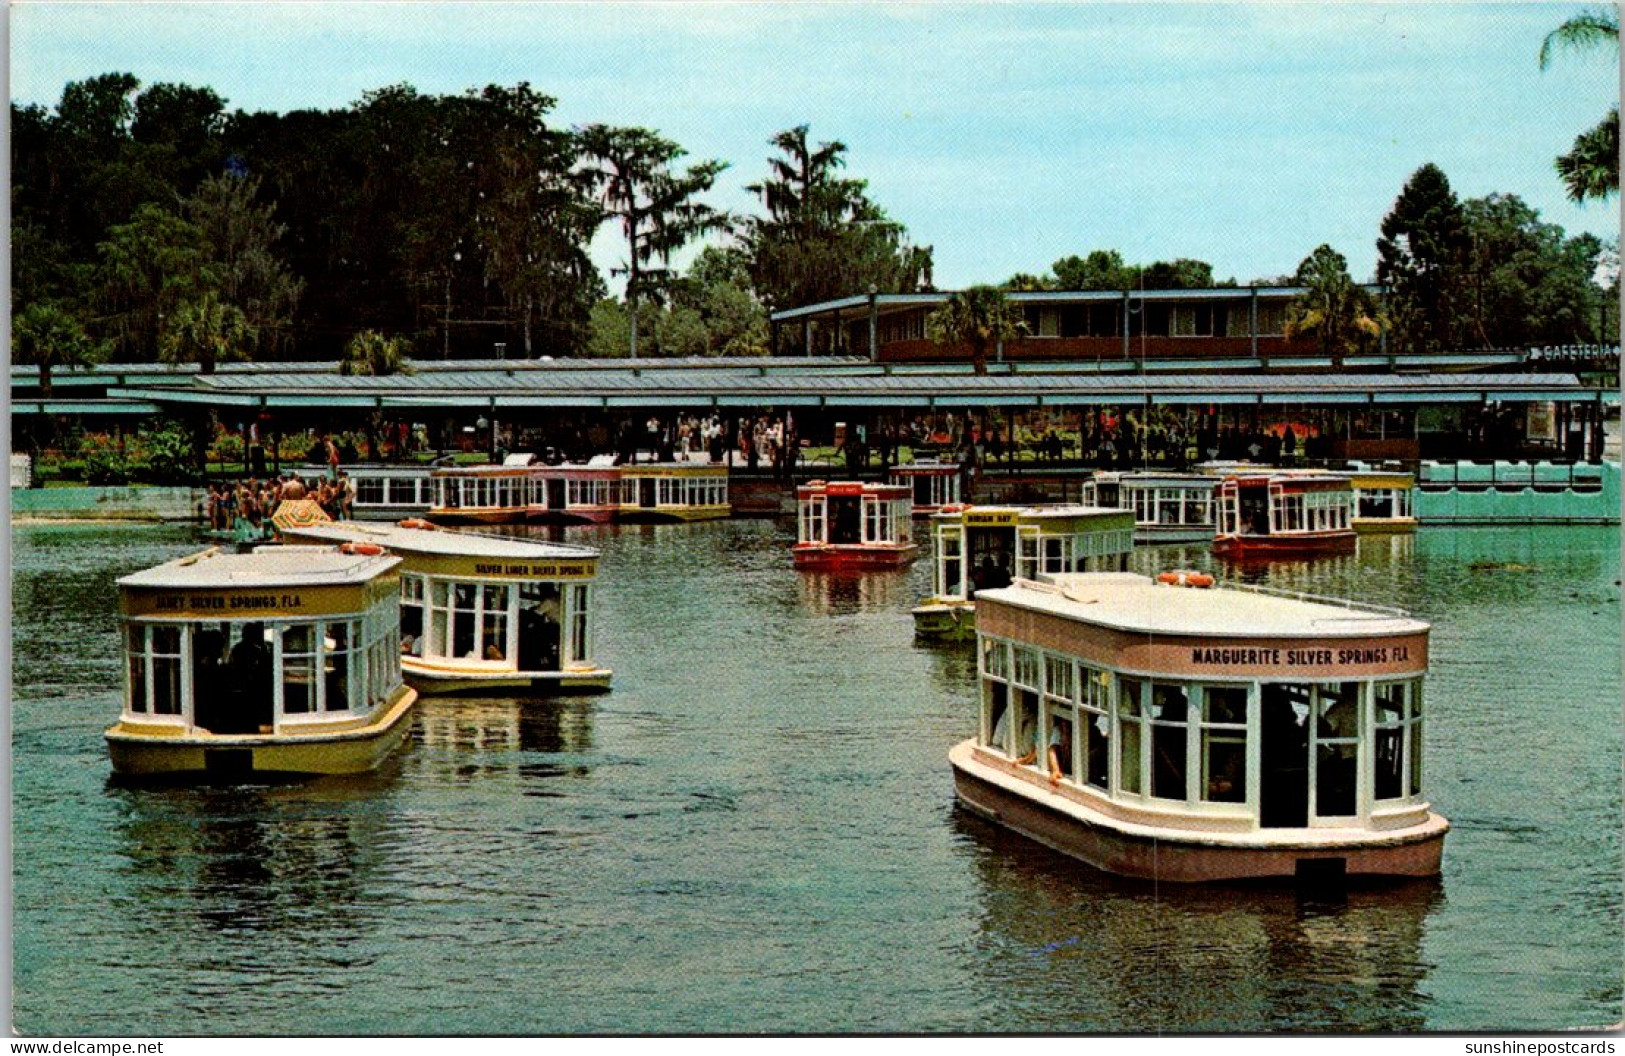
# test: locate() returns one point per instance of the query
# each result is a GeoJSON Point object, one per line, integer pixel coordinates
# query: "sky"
{"type": "Point", "coordinates": [1004, 135]}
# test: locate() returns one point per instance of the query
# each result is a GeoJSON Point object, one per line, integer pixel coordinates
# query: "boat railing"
{"type": "Point", "coordinates": [1383, 611]}
{"type": "Point", "coordinates": [1321, 599]}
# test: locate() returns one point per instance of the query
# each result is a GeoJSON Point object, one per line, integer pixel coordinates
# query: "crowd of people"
{"type": "Point", "coordinates": [247, 505]}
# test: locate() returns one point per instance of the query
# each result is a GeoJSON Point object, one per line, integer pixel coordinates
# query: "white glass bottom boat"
{"type": "Point", "coordinates": [1185, 734]}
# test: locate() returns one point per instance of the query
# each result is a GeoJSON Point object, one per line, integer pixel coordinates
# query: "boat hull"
{"type": "Point", "coordinates": [854, 557]}
{"type": "Point", "coordinates": [672, 514]}
{"type": "Point", "coordinates": [949, 621]}
{"type": "Point", "coordinates": [1154, 534]}
{"type": "Point", "coordinates": [1384, 525]}
{"type": "Point", "coordinates": [573, 515]}
{"type": "Point", "coordinates": [434, 680]}
{"type": "Point", "coordinates": [138, 751]}
{"type": "Point", "coordinates": [474, 517]}
{"type": "Point", "coordinates": [1182, 856]}
{"type": "Point", "coordinates": [1264, 546]}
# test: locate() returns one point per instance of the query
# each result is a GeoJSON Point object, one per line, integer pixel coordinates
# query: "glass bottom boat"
{"type": "Point", "coordinates": [271, 663]}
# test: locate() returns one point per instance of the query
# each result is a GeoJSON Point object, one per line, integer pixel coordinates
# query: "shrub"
{"type": "Point", "coordinates": [228, 447]}
{"type": "Point", "coordinates": [166, 451]}
{"type": "Point", "coordinates": [103, 463]}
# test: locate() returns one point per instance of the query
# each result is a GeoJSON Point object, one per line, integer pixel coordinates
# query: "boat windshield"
{"type": "Point", "coordinates": [246, 676]}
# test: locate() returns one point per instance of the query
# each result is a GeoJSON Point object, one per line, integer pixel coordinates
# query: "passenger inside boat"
{"type": "Point", "coordinates": [990, 558]}
{"type": "Point", "coordinates": [208, 677]}
{"type": "Point", "coordinates": [540, 631]}
{"type": "Point", "coordinates": [252, 695]}
{"type": "Point", "coordinates": [989, 575]}
{"type": "Point", "coordinates": [1026, 717]}
{"type": "Point", "coordinates": [1060, 748]}
{"type": "Point", "coordinates": [845, 522]}
{"type": "Point", "coordinates": [1376, 504]}
{"type": "Point", "coordinates": [1099, 753]}
{"type": "Point", "coordinates": [1255, 512]}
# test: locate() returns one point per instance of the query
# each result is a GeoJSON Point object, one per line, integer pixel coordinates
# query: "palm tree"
{"type": "Point", "coordinates": [46, 335]}
{"type": "Point", "coordinates": [1332, 308]}
{"type": "Point", "coordinates": [371, 354]}
{"type": "Point", "coordinates": [206, 331]}
{"type": "Point", "coordinates": [978, 316]}
{"type": "Point", "coordinates": [657, 207]}
{"type": "Point", "coordinates": [1591, 169]}
{"type": "Point", "coordinates": [1586, 31]}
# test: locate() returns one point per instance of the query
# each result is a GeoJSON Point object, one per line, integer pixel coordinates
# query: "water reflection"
{"type": "Point", "coordinates": [244, 859]}
{"type": "Point", "coordinates": [472, 738]}
{"type": "Point", "coordinates": [849, 593]}
{"type": "Point", "coordinates": [1090, 951]}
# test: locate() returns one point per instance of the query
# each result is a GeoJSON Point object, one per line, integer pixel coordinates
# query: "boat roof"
{"type": "Point", "coordinates": [853, 487]}
{"type": "Point", "coordinates": [293, 567]}
{"type": "Point", "coordinates": [1310, 480]}
{"type": "Point", "coordinates": [1129, 602]}
{"type": "Point", "coordinates": [656, 469]}
{"type": "Point", "coordinates": [1039, 512]}
{"type": "Point", "coordinates": [1153, 477]}
{"type": "Point", "coordinates": [436, 541]}
{"type": "Point", "coordinates": [924, 466]}
{"type": "Point", "coordinates": [479, 471]}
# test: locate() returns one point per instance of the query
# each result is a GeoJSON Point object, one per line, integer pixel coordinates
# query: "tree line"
{"type": "Point", "coordinates": [152, 222]}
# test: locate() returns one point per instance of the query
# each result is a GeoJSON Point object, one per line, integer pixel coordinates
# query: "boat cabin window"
{"type": "Point", "coordinates": [1170, 712]}
{"type": "Point", "coordinates": [1289, 512]}
{"type": "Point", "coordinates": [235, 677]}
{"type": "Point", "coordinates": [922, 491]}
{"type": "Point", "coordinates": [1059, 701]}
{"type": "Point", "coordinates": [812, 520]}
{"type": "Point", "coordinates": [844, 524]}
{"type": "Point", "coordinates": [369, 491]}
{"type": "Point", "coordinates": [298, 669]}
{"type": "Point", "coordinates": [578, 621]}
{"type": "Point", "coordinates": [1224, 744]}
{"type": "Point", "coordinates": [1397, 740]}
{"type": "Point", "coordinates": [540, 626]}
{"type": "Point", "coordinates": [1337, 748]}
{"type": "Point", "coordinates": [154, 679]}
{"type": "Point", "coordinates": [1094, 703]}
{"type": "Point", "coordinates": [1130, 734]}
{"type": "Point", "coordinates": [412, 590]}
{"type": "Point", "coordinates": [1189, 742]}
{"type": "Point", "coordinates": [949, 583]}
{"type": "Point", "coordinates": [1254, 511]}
{"type": "Point", "coordinates": [990, 558]}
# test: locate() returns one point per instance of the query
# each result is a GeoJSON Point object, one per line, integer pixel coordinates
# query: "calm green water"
{"type": "Point", "coordinates": [755, 831]}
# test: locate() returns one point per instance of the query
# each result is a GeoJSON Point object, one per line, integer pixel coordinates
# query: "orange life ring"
{"type": "Point", "coordinates": [1185, 579]}
{"type": "Point", "coordinates": [361, 549]}
{"type": "Point", "coordinates": [414, 522]}
{"type": "Point", "coordinates": [951, 507]}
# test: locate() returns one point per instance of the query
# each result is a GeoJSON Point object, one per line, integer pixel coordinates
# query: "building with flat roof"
{"type": "Point", "coordinates": [1219, 323]}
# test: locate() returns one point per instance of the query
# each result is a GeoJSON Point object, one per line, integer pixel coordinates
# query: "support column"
{"type": "Point", "coordinates": [1252, 321]}
{"type": "Point", "coordinates": [1125, 325]}
{"type": "Point", "coordinates": [874, 325]}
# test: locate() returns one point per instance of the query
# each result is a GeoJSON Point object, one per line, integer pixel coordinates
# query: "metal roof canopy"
{"type": "Point", "coordinates": [712, 385]}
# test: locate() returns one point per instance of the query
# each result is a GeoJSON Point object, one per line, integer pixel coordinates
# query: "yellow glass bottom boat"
{"type": "Point", "coordinates": [282, 661]}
